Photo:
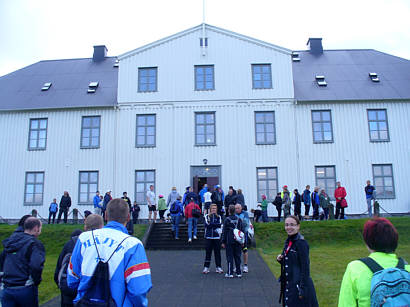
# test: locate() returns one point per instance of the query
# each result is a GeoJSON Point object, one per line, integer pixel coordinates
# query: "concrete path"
{"type": "Point", "coordinates": [178, 282]}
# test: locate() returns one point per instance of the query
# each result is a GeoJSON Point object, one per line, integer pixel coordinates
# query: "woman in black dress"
{"type": "Point", "coordinates": [296, 286]}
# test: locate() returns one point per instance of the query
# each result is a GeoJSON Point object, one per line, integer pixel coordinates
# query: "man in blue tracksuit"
{"type": "Point", "coordinates": [129, 270]}
{"type": "Point", "coordinates": [96, 202]}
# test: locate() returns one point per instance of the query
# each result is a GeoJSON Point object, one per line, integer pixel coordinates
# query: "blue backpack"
{"type": "Point", "coordinates": [389, 287]}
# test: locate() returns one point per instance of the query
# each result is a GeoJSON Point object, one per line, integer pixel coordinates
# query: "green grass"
{"type": "Point", "coordinates": [54, 237]}
{"type": "Point", "coordinates": [333, 244]}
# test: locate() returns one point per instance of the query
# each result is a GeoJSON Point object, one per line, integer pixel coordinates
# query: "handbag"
{"type": "Point", "coordinates": [343, 203]}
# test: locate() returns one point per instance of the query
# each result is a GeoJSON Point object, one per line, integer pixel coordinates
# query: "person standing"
{"type": "Point", "coordinates": [22, 265]}
{"type": "Point", "coordinates": [172, 197]}
{"type": "Point", "coordinates": [240, 199]}
{"type": "Point", "coordinates": [162, 207]}
{"type": "Point", "coordinates": [176, 210]}
{"type": "Point", "coordinates": [65, 204]}
{"type": "Point", "coordinates": [230, 199]}
{"type": "Point", "coordinates": [233, 248]}
{"type": "Point", "coordinates": [128, 267]}
{"type": "Point", "coordinates": [208, 201]}
{"type": "Point", "coordinates": [286, 200]}
{"type": "Point", "coordinates": [152, 207]}
{"type": "Point", "coordinates": [127, 199]}
{"type": "Point", "coordinates": [213, 230]}
{"type": "Point", "coordinates": [135, 212]}
{"type": "Point", "coordinates": [341, 204]}
{"type": "Point", "coordinates": [324, 201]}
{"type": "Point", "coordinates": [192, 219]}
{"type": "Point", "coordinates": [306, 200]}
{"type": "Point", "coordinates": [244, 216]}
{"type": "Point", "coordinates": [106, 200]}
{"type": "Point", "coordinates": [370, 192]}
{"type": "Point", "coordinates": [52, 210]}
{"type": "Point", "coordinates": [264, 207]}
{"type": "Point", "coordinates": [315, 203]}
{"type": "Point", "coordinates": [217, 198]}
{"type": "Point", "coordinates": [278, 204]}
{"type": "Point", "coordinates": [191, 197]}
{"type": "Point", "coordinates": [296, 285]}
{"type": "Point", "coordinates": [96, 202]}
{"type": "Point", "coordinates": [201, 195]}
{"type": "Point", "coordinates": [297, 202]}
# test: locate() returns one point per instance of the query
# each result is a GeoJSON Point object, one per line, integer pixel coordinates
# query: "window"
{"type": "Point", "coordinates": [204, 78]}
{"type": "Point", "coordinates": [383, 180]}
{"type": "Point", "coordinates": [326, 179]}
{"type": "Point", "coordinates": [265, 128]}
{"type": "Point", "coordinates": [205, 128]}
{"type": "Point", "coordinates": [147, 79]}
{"type": "Point", "coordinates": [88, 186]}
{"type": "Point", "coordinates": [261, 76]}
{"type": "Point", "coordinates": [201, 42]}
{"type": "Point", "coordinates": [378, 127]}
{"type": "Point", "coordinates": [146, 130]}
{"type": "Point", "coordinates": [34, 188]}
{"type": "Point", "coordinates": [90, 132]}
{"type": "Point", "coordinates": [267, 182]}
{"type": "Point", "coordinates": [37, 134]}
{"type": "Point", "coordinates": [322, 126]}
{"type": "Point", "coordinates": [143, 180]}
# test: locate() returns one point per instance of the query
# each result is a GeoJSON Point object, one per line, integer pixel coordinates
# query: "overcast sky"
{"type": "Point", "coordinates": [34, 30]}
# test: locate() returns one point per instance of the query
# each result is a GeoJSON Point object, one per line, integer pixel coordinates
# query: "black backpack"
{"type": "Point", "coordinates": [99, 291]}
{"type": "Point", "coordinates": [62, 274]}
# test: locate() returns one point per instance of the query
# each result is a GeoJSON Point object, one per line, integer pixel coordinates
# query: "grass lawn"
{"type": "Point", "coordinates": [54, 237]}
{"type": "Point", "coordinates": [333, 244]}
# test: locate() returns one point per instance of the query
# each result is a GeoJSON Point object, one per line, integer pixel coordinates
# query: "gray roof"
{"type": "Point", "coordinates": [21, 90]}
{"type": "Point", "coordinates": [347, 75]}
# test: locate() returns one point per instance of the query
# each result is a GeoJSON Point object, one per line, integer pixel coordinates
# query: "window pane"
{"type": "Point", "coordinates": [92, 188]}
{"type": "Point", "coordinates": [209, 118]}
{"type": "Point", "coordinates": [95, 132]}
{"type": "Point", "coordinates": [93, 177]}
{"type": "Point", "coordinates": [39, 177]}
{"type": "Point", "coordinates": [141, 140]}
{"type": "Point", "coordinates": [374, 135]}
{"type": "Point", "coordinates": [83, 187]}
{"type": "Point", "coordinates": [33, 144]}
{"type": "Point", "coordinates": [141, 120]}
{"type": "Point", "coordinates": [149, 176]}
{"type": "Point", "coordinates": [150, 131]}
{"type": "Point", "coordinates": [42, 134]}
{"type": "Point", "coordinates": [43, 124]}
{"type": "Point", "coordinates": [150, 140]}
{"type": "Point", "coordinates": [96, 121]}
{"type": "Point", "coordinates": [200, 129]}
{"type": "Point", "coordinates": [269, 128]}
{"type": "Point", "coordinates": [382, 126]}
{"type": "Point", "coordinates": [38, 198]}
{"type": "Point", "coordinates": [269, 117]}
{"type": "Point", "coordinates": [257, 68]}
{"type": "Point", "coordinates": [317, 127]}
{"type": "Point", "coordinates": [316, 116]}
{"type": "Point", "coordinates": [94, 141]}
{"type": "Point", "coordinates": [30, 188]}
{"type": "Point", "coordinates": [140, 176]}
{"type": "Point", "coordinates": [381, 115]}
{"type": "Point", "coordinates": [141, 131]}
{"type": "Point", "coordinates": [373, 126]}
{"type": "Point", "coordinates": [320, 172]}
{"type": "Point", "coordinates": [271, 184]}
{"type": "Point", "coordinates": [330, 172]}
{"type": "Point", "coordinates": [327, 127]}
{"type": "Point", "coordinates": [271, 173]}
{"type": "Point", "coordinates": [209, 129]}
{"type": "Point", "coordinates": [388, 181]}
{"type": "Point", "coordinates": [258, 84]}
{"type": "Point", "coordinates": [372, 115]}
{"type": "Point", "coordinates": [34, 135]}
{"type": "Point", "coordinates": [34, 124]}
{"type": "Point", "coordinates": [267, 84]}
{"type": "Point", "coordinates": [86, 132]}
{"type": "Point", "coordinates": [29, 198]}
{"type": "Point", "coordinates": [200, 139]}
{"type": "Point", "coordinates": [259, 117]}
{"type": "Point", "coordinates": [210, 139]}
{"type": "Point", "coordinates": [265, 68]}
{"type": "Point", "coordinates": [387, 170]}
{"type": "Point", "coordinates": [270, 138]}
{"type": "Point", "coordinates": [200, 118]}
{"type": "Point", "coordinates": [383, 135]}
{"type": "Point", "coordinates": [317, 136]}
{"type": "Point", "coordinates": [151, 120]}
{"type": "Point", "coordinates": [83, 197]}
{"type": "Point", "coordinates": [261, 173]}
{"type": "Point", "coordinates": [140, 187]}
{"type": "Point", "coordinates": [260, 138]}
{"type": "Point", "coordinates": [326, 116]}
{"type": "Point", "coordinates": [321, 183]}
{"type": "Point", "coordinates": [327, 136]}
{"type": "Point", "coordinates": [86, 122]}
{"type": "Point", "coordinates": [378, 182]}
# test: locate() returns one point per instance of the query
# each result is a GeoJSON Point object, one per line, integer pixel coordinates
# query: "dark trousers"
{"type": "Point", "coordinates": [298, 211]}
{"type": "Point", "coordinates": [279, 209]}
{"type": "Point", "coordinates": [67, 301]}
{"type": "Point", "coordinates": [233, 252]}
{"type": "Point", "coordinates": [307, 209]}
{"type": "Point", "coordinates": [60, 212]}
{"type": "Point", "coordinates": [315, 211]}
{"type": "Point", "coordinates": [51, 214]}
{"type": "Point", "coordinates": [20, 297]}
{"type": "Point", "coordinates": [213, 245]}
{"type": "Point", "coordinates": [265, 216]}
{"type": "Point", "coordinates": [339, 212]}
{"type": "Point", "coordinates": [161, 214]}
{"type": "Point", "coordinates": [326, 212]}
{"type": "Point", "coordinates": [135, 218]}
{"type": "Point", "coordinates": [257, 215]}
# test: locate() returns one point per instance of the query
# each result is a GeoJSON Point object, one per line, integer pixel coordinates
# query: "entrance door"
{"type": "Point", "coordinates": [199, 183]}
{"type": "Point", "coordinates": [212, 182]}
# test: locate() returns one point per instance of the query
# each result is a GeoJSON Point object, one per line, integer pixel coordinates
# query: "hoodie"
{"type": "Point", "coordinates": [24, 260]}
{"type": "Point", "coordinates": [201, 194]}
{"type": "Point", "coordinates": [172, 197]}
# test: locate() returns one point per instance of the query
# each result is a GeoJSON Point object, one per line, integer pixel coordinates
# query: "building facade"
{"type": "Point", "coordinates": [206, 106]}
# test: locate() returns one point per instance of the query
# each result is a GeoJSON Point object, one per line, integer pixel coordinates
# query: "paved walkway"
{"type": "Point", "coordinates": [178, 282]}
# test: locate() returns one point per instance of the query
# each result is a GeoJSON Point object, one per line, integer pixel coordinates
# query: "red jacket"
{"type": "Point", "coordinates": [340, 192]}
{"type": "Point", "coordinates": [188, 209]}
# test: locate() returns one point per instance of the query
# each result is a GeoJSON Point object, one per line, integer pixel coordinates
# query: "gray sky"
{"type": "Point", "coordinates": [34, 30]}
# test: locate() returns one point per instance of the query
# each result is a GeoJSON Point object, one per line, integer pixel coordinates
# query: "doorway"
{"type": "Point", "coordinates": [202, 175]}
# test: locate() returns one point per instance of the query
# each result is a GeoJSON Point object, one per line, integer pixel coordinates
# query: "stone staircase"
{"type": "Point", "coordinates": [160, 237]}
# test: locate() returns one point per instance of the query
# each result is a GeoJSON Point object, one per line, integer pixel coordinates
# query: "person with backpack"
{"type": "Point", "coordinates": [244, 216]}
{"type": "Point", "coordinates": [192, 213]}
{"type": "Point", "coordinates": [52, 210]}
{"type": "Point", "coordinates": [108, 266]}
{"type": "Point", "coordinates": [306, 201]}
{"type": "Point", "coordinates": [278, 204]}
{"type": "Point", "coordinates": [213, 231]}
{"type": "Point", "coordinates": [296, 285]}
{"type": "Point", "coordinates": [232, 225]}
{"type": "Point", "coordinates": [367, 280]}
{"type": "Point", "coordinates": [93, 221]}
{"type": "Point", "coordinates": [315, 203]}
{"type": "Point", "coordinates": [22, 265]}
{"type": "Point", "coordinates": [176, 210]}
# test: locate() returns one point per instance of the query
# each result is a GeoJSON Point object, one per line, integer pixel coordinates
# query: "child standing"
{"type": "Point", "coordinates": [257, 213]}
{"type": "Point", "coordinates": [135, 212]}
{"type": "Point", "coordinates": [162, 207]}
{"type": "Point", "coordinates": [233, 248]}
{"type": "Point", "coordinates": [264, 206]}
{"type": "Point", "coordinates": [213, 230]}
{"type": "Point", "coordinates": [52, 210]}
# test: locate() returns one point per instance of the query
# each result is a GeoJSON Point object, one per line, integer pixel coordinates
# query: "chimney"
{"type": "Point", "coordinates": [100, 52]}
{"type": "Point", "coordinates": [315, 45]}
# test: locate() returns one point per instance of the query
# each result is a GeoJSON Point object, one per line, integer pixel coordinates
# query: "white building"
{"type": "Point", "coordinates": [205, 106]}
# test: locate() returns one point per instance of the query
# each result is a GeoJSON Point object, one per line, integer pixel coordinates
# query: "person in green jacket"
{"type": "Point", "coordinates": [324, 201]}
{"type": "Point", "coordinates": [381, 239]}
{"type": "Point", "coordinates": [162, 207]}
{"type": "Point", "coordinates": [264, 206]}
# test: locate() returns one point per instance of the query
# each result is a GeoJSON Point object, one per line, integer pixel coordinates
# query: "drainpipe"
{"type": "Point", "coordinates": [296, 144]}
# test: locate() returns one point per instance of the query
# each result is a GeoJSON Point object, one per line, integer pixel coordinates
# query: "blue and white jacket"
{"type": "Point", "coordinates": [213, 226]}
{"type": "Point", "coordinates": [130, 274]}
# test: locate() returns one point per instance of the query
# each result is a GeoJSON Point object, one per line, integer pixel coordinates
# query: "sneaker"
{"type": "Point", "coordinates": [189, 240]}
{"type": "Point", "coordinates": [239, 275]}
{"type": "Point", "coordinates": [245, 268]}
{"type": "Point", "coordinates": [219, 270]}
{"type": "Point", "coordinates": [228, 276]}
{"type": "Point", "coordinates": [195, 238]}
{"type": "Point", "coordinates": [176, 238]}
{"type": "Point", "coordinates": [205, 271]}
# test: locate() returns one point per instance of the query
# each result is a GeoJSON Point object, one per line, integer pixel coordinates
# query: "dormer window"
{"type": "Point", "coordinates": [295, 57]}
{"type": "Point", "coordinates": [374, 77]}
{"type": "Point", "coordinates": [321, 80]}
{"type": "Point", "coordinates": [46, 86]}
{"type": "Point", "coordinates": [92, 87]}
